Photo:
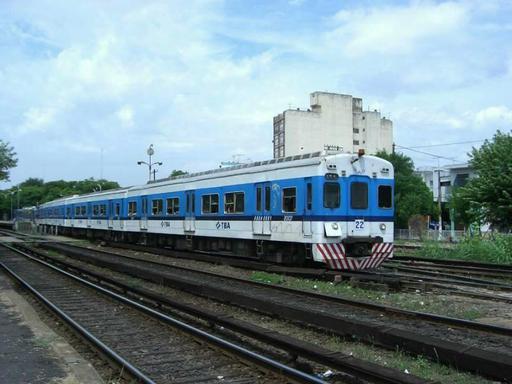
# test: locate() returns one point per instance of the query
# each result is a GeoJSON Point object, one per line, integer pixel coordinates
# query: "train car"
{"type": "Point", "coordinates": [332, 208]}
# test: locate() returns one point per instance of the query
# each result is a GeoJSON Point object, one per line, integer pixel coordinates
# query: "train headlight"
{"type": "Point", "coordinates": [382, 227]}
{"type": "Point", "coordinates": [334, 226]}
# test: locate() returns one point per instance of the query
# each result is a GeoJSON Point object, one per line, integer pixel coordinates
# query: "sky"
{"type": "Point", "coordinates": [86, 86]}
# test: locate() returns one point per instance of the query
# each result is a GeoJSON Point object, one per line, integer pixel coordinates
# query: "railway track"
{"type": "Point", "coordinates": [151, 346]}
{"type": "Point", "coordinates": [353, 369]}
{"type": "Point", "coordinates": [471, 346]}
{"type": "Point", "coordinates": [394, 277]}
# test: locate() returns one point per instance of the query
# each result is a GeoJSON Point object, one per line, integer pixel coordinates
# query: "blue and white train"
{"type": "Point", "coordinates": [332, 208]}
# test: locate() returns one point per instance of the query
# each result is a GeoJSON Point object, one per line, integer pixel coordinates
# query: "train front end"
{"type": "Point", "coordinates": [357, 212]}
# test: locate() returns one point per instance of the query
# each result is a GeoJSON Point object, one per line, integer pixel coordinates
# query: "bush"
{"type": "Point", "coordinates": [497, 249]}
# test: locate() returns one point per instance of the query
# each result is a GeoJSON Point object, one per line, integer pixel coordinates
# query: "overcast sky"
{"type": "Point", "coordinates": [201, 80]}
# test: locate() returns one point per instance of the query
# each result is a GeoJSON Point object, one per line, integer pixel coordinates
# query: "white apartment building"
{"type": "Point", "coordinates": [450, 176]}
{"type": "Point", "coordinates": [333, 120]}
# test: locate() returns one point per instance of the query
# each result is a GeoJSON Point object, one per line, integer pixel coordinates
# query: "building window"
{"type": "Point", "coordinates": [210, 203]}
{"type": "Point", "coordinates": [356, 130]}
{"type": "Point", "coordinates": [359, 195]}
{"type": "Point", "coordinates": [157, 207]}
{"type": "Point", "coordinates": [290, 200]}
{"type": "Point", "coordinates": [356, 142]}
{"type": "Point", "coordinates": [385, 196]}
{"type": "Point", "coordinates": [331, 195]}
{"type": "Point", "coordinates": [132, 208]}
{"type": "Point", "coordinates": [173, 206]}
{"type": "Point", "coordinates": [234, 202]}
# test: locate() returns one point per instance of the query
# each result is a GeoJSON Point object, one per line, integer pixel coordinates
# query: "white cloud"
{"type": "Point", "coordinates": [125, 115]}
{"type": "Point", "coordinates": [37, 119]}
{"type": "Point", "coordinates": [397, 29]}
{"type": "Point", "coordinates": [494, 114]}
{"type": "Point", "coordinates": [203, 83]}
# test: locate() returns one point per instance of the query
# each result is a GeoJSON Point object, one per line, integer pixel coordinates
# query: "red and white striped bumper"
{"type": "Point", "coordinates": [333, 255]}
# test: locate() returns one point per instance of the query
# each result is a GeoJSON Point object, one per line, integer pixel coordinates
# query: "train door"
{"type": "Point", "coordinates": [144, 213]}
{"type": "Point", "coordinates": [88, 213]}
{"type": "Point", "coordinates": [307, 226]}
{"type": "Point", "coordinates": [261, 223]}
{"type": "Point", "coordinates": [111, 214]}
{"type": "Point", "coordinates": [189, 224]}
{"type": "Point", "coordinates": [359, 206]}
{"type": "Point", "coordinates": [118, 222]}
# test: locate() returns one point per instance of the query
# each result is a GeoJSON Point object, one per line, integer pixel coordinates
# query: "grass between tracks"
{"type": "Point", "coordinates": [424, 302]}
{"type": "Point", "coordinates": [398, 359]}
{"type": "Point", "coordinates": [497, 249]}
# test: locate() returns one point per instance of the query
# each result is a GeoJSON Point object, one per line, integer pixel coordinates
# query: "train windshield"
{"type": "Point", "coordinates": [331, 195]}
{"type": "Point", "coordinates": [359, 195]}
{"type": "Point", "coordinates": [385, 196]}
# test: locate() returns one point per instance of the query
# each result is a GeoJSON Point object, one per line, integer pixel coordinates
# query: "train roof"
{"type": "Point", "coordinates": [279, 163]}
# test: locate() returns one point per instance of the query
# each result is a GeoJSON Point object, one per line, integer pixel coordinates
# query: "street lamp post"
{"type": "Point", "coordinates": [150, 164]}
{"type": "Point", "coordinates": [12, 193]}
{"type": "Point", "coordinates": [18, 197]}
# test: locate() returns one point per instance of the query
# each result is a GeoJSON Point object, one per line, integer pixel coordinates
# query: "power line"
{"type": "Point", "coordinates": [427, 153]}
{"type": "Point", "coordinates": [446, 144]}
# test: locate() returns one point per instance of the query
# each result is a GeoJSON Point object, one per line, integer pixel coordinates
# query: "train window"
{"type": "Point", "coordinates": [385, 196]}
{"type": "Point", "coordinates": [309, 196]}
{"type": "Point", "coordinates": [95, 210]}
{"type": "Point", "coordinates": [234, 202]}
{"type": "Point", "coordinates": [259, 195]}
{"type": "Point", "coordinates": [173, 206]}
{"type": "Point", "coordinates": [157, 207]}
{"type": "Point", "coordinates": [331, 195]}
{"type": "Point", "coordinates": [77, 211]}
{"type": "Point", "coordinates": [68, 212]}
{"type": "Point", "coordinates": [290, 199]}
{"type": "Point", "coordinates": [267, 198]}
{"type": "Point", "coordinates": [210, 203]}
{"type": "Point", "coordinates": [132, 208]}
{"type": "Point", "coordinates": [83, 210]}
{"type": "Point", "coordinates": [359, 195]}
{"type": "Point", "coordinates": [103, 210]}
{"type": "Point", "coordinates": [118, 209]}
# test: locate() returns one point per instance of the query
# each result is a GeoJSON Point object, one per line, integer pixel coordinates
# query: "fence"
{"type": "Point", "coordinates": [430, 234]}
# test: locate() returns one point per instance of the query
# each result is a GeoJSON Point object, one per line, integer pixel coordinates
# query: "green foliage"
{"type": "Point", "coordinates": [497, 249]}
{"type": "Point", "coordinates": [177, 172]}
{"type": "Point", "coordinates": [489, 196]}
{"type": "Point", "coordinates": [35, 191]}
{"type": "Point", "coordinates": [8, 160]}
{"type": "Point", "coordinates": [412, 196]}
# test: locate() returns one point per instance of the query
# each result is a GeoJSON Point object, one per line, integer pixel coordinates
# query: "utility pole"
{"type": "Point", "coordinates": [439, 201]}
{"type": "Point", "coordinates": [12, 193]}
{"type": "Point", "coordinates": [393, 150]}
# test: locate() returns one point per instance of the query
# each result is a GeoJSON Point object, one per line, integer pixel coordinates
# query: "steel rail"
{"type": "Point", "coordinates": [362, 304]}
{"type": "Point", "coordinates": [212, 339]}
{"type": "Point", "coordinates": [454, 262]}
{"type": "Point", "coordinates": [338, 360]}
{"type": "Point", "coordinates": [463, 280]}
{"type": "Point", "coordinates": [81, 330]}
{"type": "Point", "coordinates": [463, 356]}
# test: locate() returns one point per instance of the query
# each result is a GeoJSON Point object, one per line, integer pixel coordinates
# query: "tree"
{"type": "Point", "coordinates": [178, 172]}
{"type": "Point", "coordinates": [412, 196]}
{"type": "Point", "coordinates": [490, 194]}
{"type": "Point", "coordinates": [8, 160]}
{"type": "Point", "coordinates": [34, 191]}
